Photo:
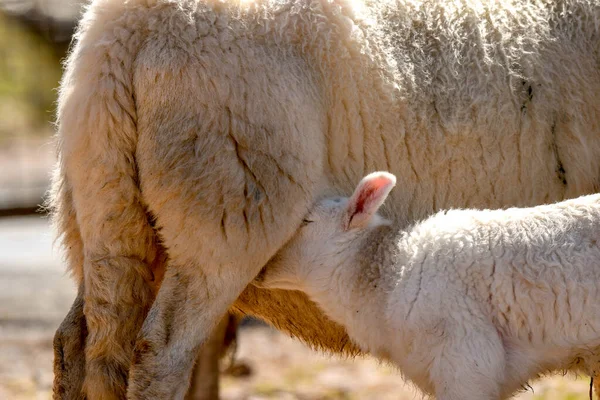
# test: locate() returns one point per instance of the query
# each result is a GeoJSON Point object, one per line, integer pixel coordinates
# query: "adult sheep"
{"type": "Point", "coordinates": [205, 130]}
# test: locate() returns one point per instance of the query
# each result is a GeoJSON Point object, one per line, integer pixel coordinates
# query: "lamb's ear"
{"type": "Point", "coordinates": [368, 196]}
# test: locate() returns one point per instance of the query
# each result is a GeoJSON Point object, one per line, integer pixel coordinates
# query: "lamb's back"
{"type": "Point", "coordinates": [533, 271]}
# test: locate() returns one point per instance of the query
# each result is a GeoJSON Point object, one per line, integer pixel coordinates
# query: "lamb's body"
{"type": "Point", "coordinates": [518, 289]}
{"type": "Point", "coordinates": [533, 271]}
{"type": "Point", "coordinates": [469, 304]}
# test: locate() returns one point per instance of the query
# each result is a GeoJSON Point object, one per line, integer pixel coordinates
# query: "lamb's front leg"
{"type": "Point", "coordinates": [469, 363]}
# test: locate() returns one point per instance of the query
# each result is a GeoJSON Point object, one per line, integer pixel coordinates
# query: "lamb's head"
{"type": "Point", "coordinates": [331, 228]}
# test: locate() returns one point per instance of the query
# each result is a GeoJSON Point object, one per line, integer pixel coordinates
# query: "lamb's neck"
{"type": "Point", "coordinates": [356, 292]}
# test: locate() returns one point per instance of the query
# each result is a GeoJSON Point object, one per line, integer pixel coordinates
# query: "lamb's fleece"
{"type": "Point", "coordinates": [200, 132]}
{"type": "Point", "coordinates": [470, 304]}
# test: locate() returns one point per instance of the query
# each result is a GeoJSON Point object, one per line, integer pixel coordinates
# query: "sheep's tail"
{"type": "Point", "coordinates": [64, 222]}
{"type": "Point", "coordinates": [95, 202]}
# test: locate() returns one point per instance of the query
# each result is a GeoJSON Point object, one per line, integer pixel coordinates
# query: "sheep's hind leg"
{"type": "Point", "coordinates": [215, 250]}
{"type": "Point", "coordinates": [69, 355]}
{"type": "Point", "coordinates": [190, 301]}
{"type": "Point", "coordinates": [210, 263]}
{"type": "Point", "coordinates": [69, 358]}
{"type": "Point", "coordinates": [196, 291]}
{"type": "Point", "coordinates": [228, 180]}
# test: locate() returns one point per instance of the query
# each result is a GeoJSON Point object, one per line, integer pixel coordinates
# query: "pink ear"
{"type": "Point", "coordinates": [368, 196]}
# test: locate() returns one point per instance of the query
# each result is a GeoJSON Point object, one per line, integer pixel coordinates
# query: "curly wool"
{"type": "Point", "coordinates": [225, 120]}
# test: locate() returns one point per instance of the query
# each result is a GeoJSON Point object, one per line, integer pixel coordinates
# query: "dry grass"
{"type": "Point", "coordinates": [282, 368]}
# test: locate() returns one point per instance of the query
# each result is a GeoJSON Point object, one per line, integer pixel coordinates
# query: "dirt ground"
{"type": "Point", "coordinates": [35, 293]}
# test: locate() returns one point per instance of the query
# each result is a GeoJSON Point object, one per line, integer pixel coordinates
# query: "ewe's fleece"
{"type": "Point", "coordinates": [199, 132]}
{"type": "Point", "coordinates": [469, 304]}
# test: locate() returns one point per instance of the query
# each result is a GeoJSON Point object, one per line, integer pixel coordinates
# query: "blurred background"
{"type": "Point", "coordinates": [35, 292]}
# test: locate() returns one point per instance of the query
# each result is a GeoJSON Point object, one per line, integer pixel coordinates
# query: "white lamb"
{"type": "Point", "coordinates": [469, 304]}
